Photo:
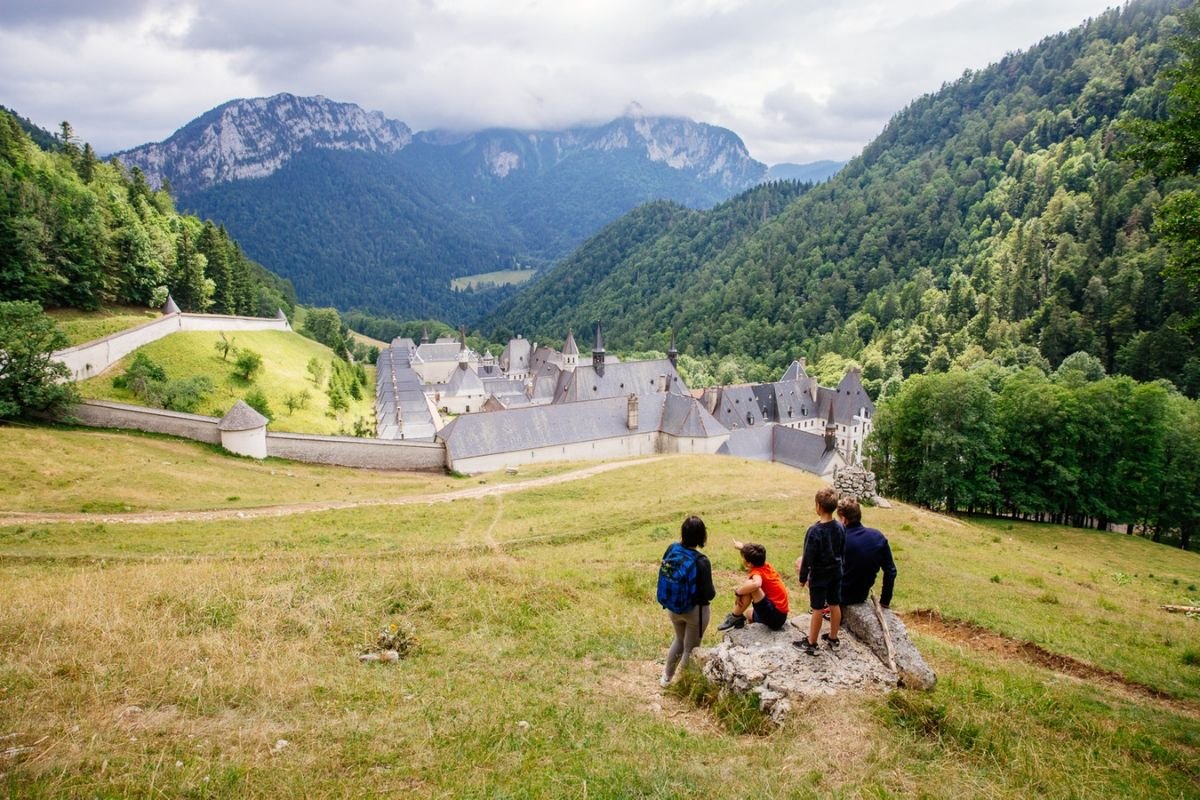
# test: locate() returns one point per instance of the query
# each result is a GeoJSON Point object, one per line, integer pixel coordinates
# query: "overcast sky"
{"type": "Point", "coordinates": [798, 80]}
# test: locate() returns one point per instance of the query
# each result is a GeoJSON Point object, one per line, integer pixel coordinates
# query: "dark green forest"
{"type": "Point", "coordinates": [76, 232]}
{"type": "Point", "coordinates": [1075, 447]}
{"type": "Point", "coordinates": [385, 233]}
{"type": "Point", "coordinates": [1006, 217]}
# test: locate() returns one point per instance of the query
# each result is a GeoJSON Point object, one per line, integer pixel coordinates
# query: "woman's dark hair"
{"type": "Point", "coordinates": [693, 533]}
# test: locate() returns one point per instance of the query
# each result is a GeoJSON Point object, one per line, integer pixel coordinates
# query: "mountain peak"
{"type": "Point", "coordinates": [253, 138]}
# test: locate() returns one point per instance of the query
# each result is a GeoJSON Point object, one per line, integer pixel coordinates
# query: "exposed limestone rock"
{"type": "Point", "coordinates": [757, 659]}
{"type": "Point", "coordinates": [860, 620]}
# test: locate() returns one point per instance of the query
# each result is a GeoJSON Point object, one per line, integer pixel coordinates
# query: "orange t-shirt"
{"type": "Point", "coordinates": [772, 586]}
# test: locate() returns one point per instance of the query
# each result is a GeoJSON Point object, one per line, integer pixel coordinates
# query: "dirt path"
{"type": "Point", "coordinates": [977, 637]}
{"type": "Point", "coordinates": [155, 517]}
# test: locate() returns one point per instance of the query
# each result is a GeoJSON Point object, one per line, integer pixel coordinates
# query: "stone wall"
{"type": "Point", "coordinates": [348, 451]}
{"type": "Point", "coordinates": [103, 414]}
{"type": "Point", "coordinates": [855, 481]}
{"type": "Point", "coordinates": [342, 451]}
{"type": "Point", "coordinates": [87, 360]}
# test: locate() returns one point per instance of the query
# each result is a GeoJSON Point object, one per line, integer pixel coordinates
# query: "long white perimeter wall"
{"type": "Point", "coordinates": [90, 359]}
{"type": "Point", "coordinates": [345, 451]}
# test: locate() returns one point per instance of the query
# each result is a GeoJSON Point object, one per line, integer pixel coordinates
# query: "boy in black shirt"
{"type": "Point", "coordinates": [820, 568]}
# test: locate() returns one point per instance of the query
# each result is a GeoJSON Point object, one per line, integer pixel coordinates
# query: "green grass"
{"type": "Point", "coordinates": [285, 358]}
{"type": "Point", "coordinates": [504, 277]}
{"type": "Point", "coordinates": [84, 326]}
{"type": "Point", "coordinates": [170, 659]}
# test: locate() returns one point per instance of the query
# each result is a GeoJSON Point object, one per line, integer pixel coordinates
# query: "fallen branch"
{"type": "Point", "coordinates": [1181, 609]}
{"type": "Point", "coordinates": [887, 634]}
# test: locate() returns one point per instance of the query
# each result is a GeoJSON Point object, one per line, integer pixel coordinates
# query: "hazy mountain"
{"type": "Point", "coordinates": [814, 172]}
{"type": "Point", "coordinates": [360, 212]}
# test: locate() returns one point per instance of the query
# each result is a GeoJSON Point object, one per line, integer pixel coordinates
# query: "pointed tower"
{"type": "Point", "coordinates": [169, 307]}
{"type": "Point", "coordinates": [830, 429]}
{"type": "Point", "coordinates": [570, 352]}
{"type": "Point", "coordinates": [424, 334]}
{"type": "Point", "coordinates": [672, 354]}
{"type": "Point", "coordinates": [463, 353]}
{"type": "Point", "coordinates": [598, 352]}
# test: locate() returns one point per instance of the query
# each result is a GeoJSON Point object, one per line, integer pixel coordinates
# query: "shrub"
{"type": "Point", "coordinates": [258, 401]}
{"type": "Point", "coordinates": [248, 364]}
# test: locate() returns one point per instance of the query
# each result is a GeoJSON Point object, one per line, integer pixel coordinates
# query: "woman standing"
{"type": "Point", "coordinates": [685, 589]}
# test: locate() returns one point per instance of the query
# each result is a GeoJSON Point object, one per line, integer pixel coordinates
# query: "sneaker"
{"type": "Point", "coordinates": [732, 621]}
{"type": "Point", "coordinates": [664, 681]}
{"type": "Point", "coordinates": [805, 645]}
{"type": "Point", "coordinates": [834, 644]}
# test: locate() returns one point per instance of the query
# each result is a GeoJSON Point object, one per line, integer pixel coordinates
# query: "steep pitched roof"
{"type": "Point", "coordinates": [804, 450]}
{"type": "Point", "coordinates": [619, 379]}
{"type": "Point", "coordinates": [795, 372]}
{"type": "Point", "coordinates": [241, 418]}
{"type": "Point", "coordinates": [685, 416]}
{"type": "Point", "coordinates": [397, 386]}
{"type": "Point", "coordinates": [463, 381]}
{"type": "Point", "coordinates": [570, 348]}
{"type": "Point", "coordinates": [755, 443]}
{"type": "Point", "coordinates": [439, 351]}
{"type": "Point", "coordinates": [794, 401]}
{"type": "Point", "coordinates": [739, 407]}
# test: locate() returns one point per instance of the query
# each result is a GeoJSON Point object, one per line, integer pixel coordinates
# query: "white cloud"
{"type": "Point", "coordinates": [798, 81]}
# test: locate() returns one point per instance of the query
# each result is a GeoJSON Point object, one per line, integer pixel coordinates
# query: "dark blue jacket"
{"type": "Point", "coordinates": [867, 552]}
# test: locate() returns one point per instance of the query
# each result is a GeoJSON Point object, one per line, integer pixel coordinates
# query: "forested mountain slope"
{"type": "Point", "coordinates": [362, 214]}
{"type": "Point", "coordinates": [76, 232]}
{"type": "Point", "coordinates": [995, 217]}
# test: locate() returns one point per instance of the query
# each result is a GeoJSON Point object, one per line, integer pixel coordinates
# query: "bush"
{"type": "Point", "coordinates": [248, 364]}
{"type": "Point", "coordinates": [258, 401]}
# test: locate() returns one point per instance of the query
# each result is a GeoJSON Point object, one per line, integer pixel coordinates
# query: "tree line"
{"type": "Point", "coordinates": [1075, 447]}
{"type": "Point", "coordinates": [78, 232]}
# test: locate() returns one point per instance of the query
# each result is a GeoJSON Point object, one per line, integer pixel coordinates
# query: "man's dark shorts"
{"type": "Point", "coordinates": [766, 613]}
{"type": "Point", "coordinates": [826, 593]}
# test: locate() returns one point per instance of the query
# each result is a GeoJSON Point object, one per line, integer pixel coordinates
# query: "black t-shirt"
{"type": "Point", "coordinates": [824, 545]}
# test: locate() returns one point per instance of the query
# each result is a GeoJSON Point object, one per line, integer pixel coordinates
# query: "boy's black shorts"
{"type": "Point", "coordinates": [826, 593]}
{"type": "Point", "coordinates": [766, 613]}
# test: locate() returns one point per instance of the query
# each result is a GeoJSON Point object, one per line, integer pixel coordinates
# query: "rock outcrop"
{"type": "Point", "coordinates": [757, 659]}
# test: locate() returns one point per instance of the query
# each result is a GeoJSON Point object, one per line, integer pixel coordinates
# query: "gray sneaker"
{"type": "Point", "coordinates": [732, 621]}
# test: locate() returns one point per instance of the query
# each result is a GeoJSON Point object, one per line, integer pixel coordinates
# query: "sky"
{"type": "Point", "coordinates": [798, 80]}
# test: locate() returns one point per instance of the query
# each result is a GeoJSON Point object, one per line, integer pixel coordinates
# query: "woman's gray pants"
{"type": "Point", "coordinates": [689, 629]}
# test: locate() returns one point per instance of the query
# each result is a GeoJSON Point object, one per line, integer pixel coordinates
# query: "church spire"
{"type": "Point", "coordinates": [598, 351]}
{"type": "Point", "coordinates": [672, 354]}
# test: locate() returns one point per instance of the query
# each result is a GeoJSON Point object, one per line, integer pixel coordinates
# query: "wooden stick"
{"type": "Point", "coordinates": [1181, 609]}
{"type": "Point", "coordinates": [887, 635]}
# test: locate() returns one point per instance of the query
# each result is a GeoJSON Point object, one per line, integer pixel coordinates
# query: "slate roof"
{"type": "Point", "coordinates": [848, 399]}
{"type": "Point", "coordinates": [755, 443]}
{"type": "Point", "coordinates": [570, 348]}
{"type": "Point", "coordinates": [463, 381]}
{"type": "Point", "coordinates": [619, 379]}
{"type": "Point", "coordinates": [439, 351]}
{"type": "Point", "coordinates": [803, 450]}
{"type": "Point", "coordinates": [793, 400]}
{"type": "Point", "coordinates": [795, 372]}
{"type": "Point", "coordinates": [515, 357]}
{"type": "Point", "coordinates": [241, 418]}
{"type": "Point", "coordinates": [398, 386]}
{"type": "Point", "coordinates": [532, 427]}
{"type": "Point", "coordinates": [739, 407]}
{"type": "Point", "coordinates": [683, 415]}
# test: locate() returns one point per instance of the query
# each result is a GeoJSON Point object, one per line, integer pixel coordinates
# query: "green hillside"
{"type": "Point", "coordinates": [284, 373]}
{"type": "Point", "coordinates": [996, 218]}
{"type": "Point", "coordinates": [76, 232]}
{"type": "Point", "coordinates": [218, 657]}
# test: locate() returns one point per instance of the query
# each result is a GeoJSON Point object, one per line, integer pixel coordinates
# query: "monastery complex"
{"type": "Point", "coordinates": [535, 404]}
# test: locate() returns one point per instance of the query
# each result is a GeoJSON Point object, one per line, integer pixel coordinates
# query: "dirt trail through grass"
{"type": "Point", "coordinates": [156, 517]}
{"type": "Point", "coordinates": [978, 637]}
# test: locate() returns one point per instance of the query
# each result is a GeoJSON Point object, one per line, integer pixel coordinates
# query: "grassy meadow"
{"type": "Point", "coordinates": [197, 657]}
{"type": "Point", "coordinates": [84, 326]}
{"type": "Point", "coordinates": [285, 358]}
{"type": "Point", "coordinates": [503, 277]}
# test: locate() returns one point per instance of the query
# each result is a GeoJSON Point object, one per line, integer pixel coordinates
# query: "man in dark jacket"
{"type": "Point", "coordinates": [867, 552]}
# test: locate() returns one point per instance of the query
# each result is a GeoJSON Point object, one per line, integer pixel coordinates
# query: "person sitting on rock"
{"type": "Point", "coordinates": [867, 552]}
{"type": "Point", "coordinates": [820, 568]}
{"type": "Point", "coordinates": [762, 597]}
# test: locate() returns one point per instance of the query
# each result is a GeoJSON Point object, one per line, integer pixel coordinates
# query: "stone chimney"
{"type": "Point", "coordinates": [632, 412]}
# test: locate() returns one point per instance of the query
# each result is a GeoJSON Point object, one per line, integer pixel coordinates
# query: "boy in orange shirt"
{"type": "Point", "coordinates": [763, 597]}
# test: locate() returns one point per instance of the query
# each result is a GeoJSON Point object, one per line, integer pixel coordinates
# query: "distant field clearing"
{"type": "Point", "coordinates": [504, 277]}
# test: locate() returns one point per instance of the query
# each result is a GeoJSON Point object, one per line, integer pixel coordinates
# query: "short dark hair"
{"type": "Point", "coordinates": [850, 510]}
{"type": "Point", "coordinates": [755, 554]}
{"type": "Point", "coordinates": [827, 499]}
{"type": "Point", "coordinates": [693, 533]}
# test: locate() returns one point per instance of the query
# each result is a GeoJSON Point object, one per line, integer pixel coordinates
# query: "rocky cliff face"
{"type": "Point", "coordinates": [254, 138]}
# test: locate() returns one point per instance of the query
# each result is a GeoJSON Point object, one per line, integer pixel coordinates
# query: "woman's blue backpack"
{"type": "Point", "coordinates": [677, 579]}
